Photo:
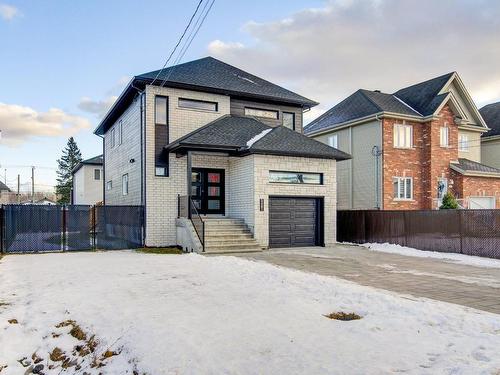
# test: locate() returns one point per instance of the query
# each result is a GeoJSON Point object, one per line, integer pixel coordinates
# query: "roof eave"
{"type": "Point", "coordinates": [466, 173]}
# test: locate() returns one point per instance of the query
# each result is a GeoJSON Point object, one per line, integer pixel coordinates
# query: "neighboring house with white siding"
{"type": "Point", "coordinates": [411, 147]}
{"type": "Point", "coordinates": [88, 182]}
{"type": "Point", "coordinates": [207, 145]}
{"type": "Point", "coordinates": [490, 141]}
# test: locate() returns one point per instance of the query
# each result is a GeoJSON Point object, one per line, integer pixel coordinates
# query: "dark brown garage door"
{"type": "Point", "coordinates": [293, 222]}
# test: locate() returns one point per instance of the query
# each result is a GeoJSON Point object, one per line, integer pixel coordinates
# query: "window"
{"type": "Point", "coordinates": [443, 136]}
{"type": "Point", "coordinates": [125, 184]}
{"type": "Point", "coordinates": [120, 132]}
{"type": "Point", "coordinates": [258, 112]}
{"type": "Point", "coordinates": [403, 136]}
{"type": "Point", "coordinates": [289, 120]}
{"type": "Point", "coordinates": [97, 174]}
{"type": "Point", "coordinates": [198, 104]}
{"type": "Point", "coordinates": [333, 141]}
{"type": "Point", "coordinates": [109, 185]}
{"type": "Point", "coordinates": [463, 143]}
{"type": "Point", "coordinates": [113, 138]}
{"type": "Point", "coordinates": [161, 171]}
{"type": "Point", "coordinates": [161, 103]}
{"type": "Point", "coordinates": [403, 188]}
{"type": "Point", "coordinates": [295, 178]}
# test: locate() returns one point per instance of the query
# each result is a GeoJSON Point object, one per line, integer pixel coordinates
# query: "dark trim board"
{"type": "Point", "coordinates": [289, 224]}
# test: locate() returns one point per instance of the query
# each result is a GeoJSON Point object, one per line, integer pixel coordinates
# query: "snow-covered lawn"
{"type": "Point", "coordinates": [189, 314]}
{"type": "Point", "coordinates": [449, 257]}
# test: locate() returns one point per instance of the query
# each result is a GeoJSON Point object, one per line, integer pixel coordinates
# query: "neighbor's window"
{"type": "Point", "coordinates": [161, 171]}
{"type": "Point", "coordinates": [161, 110]}
{"type": "Point", "coordinates": [333, 141]}
{"type": "Point", "coordinates": [120, 132]}
{"type": "Point", "coordinates": [113, 138]}
{"type": "Point", "coordinates": [403, 187]}
{"type": "Point", "coordinates": [296, 177]}
{"type": "Point", "coordinates": [109, 185]}
{"type": "Point", "coordinates": [403, 136]}
{"type": "Point", "coordinates": [198, 104]}
{"type": "Point", "coordinates": [97, 174]}
{"type": "Point", "coordinates": [444, 132]}
{"type": "Point", "coordinates": [463, 143]}
{"type": "Point", "coordinates": [289, 120]}
{"type": "Point", "coordinates": [125, 184]}
{"type": "Point", "coordinates": [259, 112]}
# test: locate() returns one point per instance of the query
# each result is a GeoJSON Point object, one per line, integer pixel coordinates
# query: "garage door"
{"type": "Point", "coordinates": [293, 222]}
{"type": "Point", "coordinates": [481, 202]}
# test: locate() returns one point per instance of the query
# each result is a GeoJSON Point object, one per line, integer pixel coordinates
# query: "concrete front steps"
{"type": "Point", "coordinates": [227, 235]}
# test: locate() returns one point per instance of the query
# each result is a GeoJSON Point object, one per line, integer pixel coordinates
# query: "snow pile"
{"type": "Point", "coordinates": [259, 136]}
{"type": "Point", "coordinates": [192, 314]}
{"type": "Point", "coordinates": [450, 257]}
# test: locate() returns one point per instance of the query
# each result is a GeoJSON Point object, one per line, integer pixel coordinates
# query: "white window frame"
{"type": "Point", "coordinates": [399, 181]}
{"type": "Point", "coordinates": [109, 185]}
{"type": "Point", "coordinates": [333, 141]}
{"type": "Point", "coordinates": [113, 139]}
{"type": "Point", "coordinates": [463, 143]}
{"type": "Point", "coordinates": [444, 136]}
{"type": "Point", "coordinates": [125, 184]}
{"type": "Point", "coordinates": [403, 136]}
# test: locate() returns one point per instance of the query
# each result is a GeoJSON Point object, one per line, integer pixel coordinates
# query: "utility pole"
{"type": "Point", "coordinates": [32, 184]}
{"type": "Point", "coordinates": [18, 183]}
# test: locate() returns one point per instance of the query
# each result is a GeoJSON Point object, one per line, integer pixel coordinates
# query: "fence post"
{"type": "Point", "coordinates": [364, 227]}
{"type": "Point", "coordinates": [93, 226]}
{"type": "Point", "coordinates": [2, 222]}
{"type": "Point", "coordinates": [405, 223]}
{"type": "Point", "coordinates": [460, 229]}
{"type": "Point", "coordinates": [63, 227]}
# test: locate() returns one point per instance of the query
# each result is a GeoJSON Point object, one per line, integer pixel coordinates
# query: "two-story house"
{"type": "Point", "coordinates": [490, 141]}
{"type": "Point", "coordinates": [88, 184]}
{"type": "Point", "coordinates": [410, 147]}
{"type": "Point", "coordinates": [229, 146]}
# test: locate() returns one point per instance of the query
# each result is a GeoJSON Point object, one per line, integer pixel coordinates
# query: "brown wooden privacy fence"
{"type": "Point", "coordinates": [471, 232]}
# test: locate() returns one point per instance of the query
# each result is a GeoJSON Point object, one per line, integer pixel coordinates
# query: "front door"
{"type": "Point", "coordinates": [207, 190]}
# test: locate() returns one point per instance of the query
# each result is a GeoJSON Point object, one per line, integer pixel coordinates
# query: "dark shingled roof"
{"type": "Point", "coordinates": [96, 160]}
{"type": "Point", "coordinates": [211, 73]}
{"type": "Point", "coordinates": [418, 100]}
{"type": "Point", "coordinates": [467, 165]}
{"type": "Point", "coordinates": [232, 134]}
{"type": "Point", "coordinates": [491, 115]}
{"type": "Point", "coordinates": [3, 187]}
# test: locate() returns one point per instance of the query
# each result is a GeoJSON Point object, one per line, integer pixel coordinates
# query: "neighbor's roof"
{"type": "Point", "coordinates": [96, 160]}
{"type": "Point", "coordinates": [418, 100]}
{"type": "Point", "coordinates": [209, 75]}
{"type": "Point", "coordinates": [466, 166]}
{"type": "Point", "coordinates": [491, 115]}
{"type": "Point", "coordinates": [239, 136]}
{"type": "Point", "coordinates": [3, 187]}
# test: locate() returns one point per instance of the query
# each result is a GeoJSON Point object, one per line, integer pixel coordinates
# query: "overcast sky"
{"type": "Point", "coordinates": [62, 64]}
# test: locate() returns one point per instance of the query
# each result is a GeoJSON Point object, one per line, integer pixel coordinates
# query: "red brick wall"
{"type": "Point", "coordinates": [466, 186]}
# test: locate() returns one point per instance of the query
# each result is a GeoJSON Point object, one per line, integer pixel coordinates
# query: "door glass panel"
{"type": "Point", "coordinates": [195, 191]}
{"type": "Point", "coordinates": [214, 191]}
{"type": "Point", "coordinates": [213, 204]}
{"type": "Point", "coordinates": [195, 177]}
{"type": "Point", "coordinates": [197, 204]}
{"type": "Point", "coordinates": [214, 177]}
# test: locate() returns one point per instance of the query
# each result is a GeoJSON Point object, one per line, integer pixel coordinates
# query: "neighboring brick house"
{"type": "Point", "coordinates": [226, 143]}
{"type": "Point", "coordinates": [88, 184]}
{"type": "Point", "coordinates": [409, 148]}
{"type": "Point", "coordinates": [490, 141]}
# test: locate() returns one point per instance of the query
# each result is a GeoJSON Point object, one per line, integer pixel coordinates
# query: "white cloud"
{"type": "Point", "coordinates": [329, 52]}
{"type": "Point", "coordinates": [8, 12]}
{"type": "Point", "coordinates": [18, 124]}
{"type": "Point", "coordinates": [97, 107]}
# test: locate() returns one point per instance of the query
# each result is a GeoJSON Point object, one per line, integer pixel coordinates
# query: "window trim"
{"type": "Point", "coordinates": [399, 179]}
{"type": "Point", "coordinates": [283, 119]}
{"type": "Point", "coordinates": [403, 126]}
{"type": "Point", "coordinates": [199, 101]}
{"type": "Point", "coordinates": [331, 142]}
{"type": "Point", "coordinates": [321, 178]}
{"type": "Point", "coordinates": [166, 110]}
{"type": "Point", "coordinates": [461, 143]}
{"type": "Point", "coordinates": [125, 187]}
{"type": "Point", "coordinates": [265, 110]}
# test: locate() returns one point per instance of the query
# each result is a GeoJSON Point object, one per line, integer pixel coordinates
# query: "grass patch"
{"type": "Point", "coordinates": [160, 250]}
{"type": "Point", "coordinates": [340, 315]}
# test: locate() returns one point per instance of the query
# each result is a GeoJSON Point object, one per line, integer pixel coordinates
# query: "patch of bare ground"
{"type": "Point", "coordinates": [340, 315]}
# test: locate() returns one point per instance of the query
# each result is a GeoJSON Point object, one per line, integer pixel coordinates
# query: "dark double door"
{"type": "Point", "coordinates": [207, 190]}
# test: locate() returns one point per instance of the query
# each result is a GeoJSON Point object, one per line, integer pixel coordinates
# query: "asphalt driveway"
{"type": "Point", "coordinates": [471, 286]}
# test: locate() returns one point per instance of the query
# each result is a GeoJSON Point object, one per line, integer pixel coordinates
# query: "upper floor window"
{"type": "Point", "coordinates": [198, 104]}
{"type": "Point", "coordinates": [403, 136]}
{"type": "Point", "coordinates": [259, 112]}
{"type": "Point", "coordinates": [463, 143]}
{"type": "Point", "coordinates": [444, 133]}
{"type": "Point", "coordinates": [403, 188]}
{"type": "Point", "coordinates": [161, 103]}
{"type": "Point", "coordinates": [296, 177]}
{"type": "Point", "coordinates": [125, 184]}
{"type": "Point", "coordinates": [289, 120]}
{"type": "Point", "coordinates": [97, 174]}
{"type": "Point", "coordinates": [333, 141]}
{"type": "Point", "coordinates": [113, 139]}
{"type": "Point", "coordinates": [120, 132]}
{"type": "Point", "coordinates": [109, 185]}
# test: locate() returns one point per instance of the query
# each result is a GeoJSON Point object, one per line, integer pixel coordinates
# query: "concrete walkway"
{"type": "Point", "coordinates": [421, 277]}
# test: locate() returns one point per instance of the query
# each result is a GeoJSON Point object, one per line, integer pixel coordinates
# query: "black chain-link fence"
{"type": "Point", "coordinates": [471, 232]}
{"type": "Point", "coordinates": [44, 228]}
